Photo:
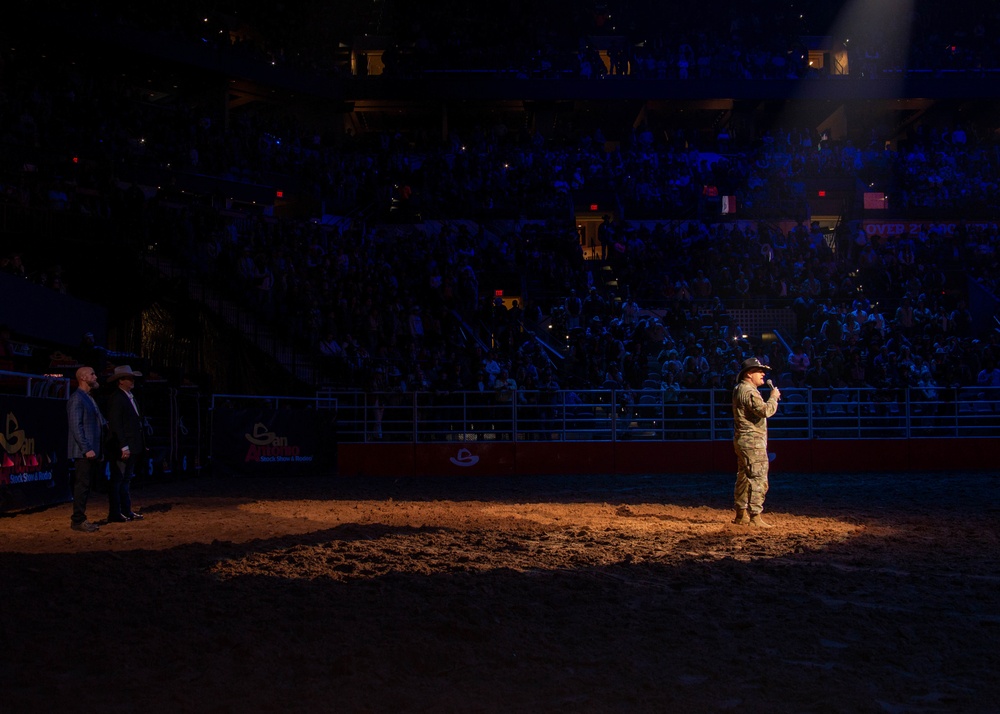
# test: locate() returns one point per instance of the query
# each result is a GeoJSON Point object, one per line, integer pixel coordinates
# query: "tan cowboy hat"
{"type": "Point", "coordinates": [750, 365]}
{"type": "Point", "coordinates": [124, 370]}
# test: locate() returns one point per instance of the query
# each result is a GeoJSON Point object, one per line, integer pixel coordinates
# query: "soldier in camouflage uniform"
{"type": "Point", "coordinates": [750, 413]}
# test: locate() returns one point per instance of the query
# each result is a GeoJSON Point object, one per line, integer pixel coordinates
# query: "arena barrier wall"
{"type": "Point", "coordinates": [598, 432]}
{"type": "Point", "coordinates": [33, 466]}
{"type": "Point", "coordinates": [695, 457]}
{"type": "Point", "coordinates": [269, 441]}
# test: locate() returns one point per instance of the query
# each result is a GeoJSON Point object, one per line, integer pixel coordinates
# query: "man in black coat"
{"type": "Point", "coordinates": [128, 444]}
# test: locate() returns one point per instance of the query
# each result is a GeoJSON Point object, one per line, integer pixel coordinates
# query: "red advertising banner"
{"type": "Point", "coordinates": [273, 441]}
{"type": "Point", "coordinates": [33, 466]}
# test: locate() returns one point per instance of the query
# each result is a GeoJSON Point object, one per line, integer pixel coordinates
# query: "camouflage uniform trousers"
{"type": "Point", "coordinates": [751, 478]}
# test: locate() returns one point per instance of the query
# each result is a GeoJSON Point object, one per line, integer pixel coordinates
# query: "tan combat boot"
{"type": "Point", "coordinates": [758, 522]}
{"type": "Point", "coordinates": [742, 518]}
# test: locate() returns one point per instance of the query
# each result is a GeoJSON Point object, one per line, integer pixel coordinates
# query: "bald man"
{"type": "Point", "coordinates": [86, 424]}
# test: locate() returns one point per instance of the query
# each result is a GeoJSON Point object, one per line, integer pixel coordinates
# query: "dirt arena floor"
{"type": "Point", "coordinates": [872, 593]}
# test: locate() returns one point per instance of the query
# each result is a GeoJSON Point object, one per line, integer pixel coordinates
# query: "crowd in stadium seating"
{"type": "Point", "coordinates": [871, 311]}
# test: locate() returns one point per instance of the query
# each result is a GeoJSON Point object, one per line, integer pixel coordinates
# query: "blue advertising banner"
{"type": "Point", "coordinates": [33, 466]}
{"type": "Point", "coordinates": [273, 441]}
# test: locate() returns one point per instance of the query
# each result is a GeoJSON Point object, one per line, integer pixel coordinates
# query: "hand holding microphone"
{"type": "Point", "coordinates": [774, 390]}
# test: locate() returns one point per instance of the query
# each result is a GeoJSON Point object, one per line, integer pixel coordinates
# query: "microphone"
{"type": "Point", "coordinates": [769, 383]}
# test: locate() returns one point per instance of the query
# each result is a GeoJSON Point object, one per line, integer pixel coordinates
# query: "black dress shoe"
{"type": "Point", "coordinates": [120, 518]}
{"type": "Point", "coordinates": [133, 516]}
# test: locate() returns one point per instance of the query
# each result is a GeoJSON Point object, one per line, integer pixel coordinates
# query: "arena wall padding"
{"type": "Point", "coordinates": [668, 457]}
{"type": "Point", "coordinates": [34, 470]}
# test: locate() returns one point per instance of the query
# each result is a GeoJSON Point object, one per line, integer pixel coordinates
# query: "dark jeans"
{"type": "Point", "coordinates": [84, 479]}
{"type": "Point", "coordinates": [120, 489]}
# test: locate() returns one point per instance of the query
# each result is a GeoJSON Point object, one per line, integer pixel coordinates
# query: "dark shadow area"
{"type": "Point", "coordinates": [808, 494]}
{"type": "Point", "coordinates": [502, 610]}
{"type": "Point", "coordinates": [796, 634]}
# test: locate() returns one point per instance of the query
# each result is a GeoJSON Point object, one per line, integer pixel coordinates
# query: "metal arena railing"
{"type": "Point", "coordinates": [41, 386]}
{"type": "Point", "coordinates": [647, 415]}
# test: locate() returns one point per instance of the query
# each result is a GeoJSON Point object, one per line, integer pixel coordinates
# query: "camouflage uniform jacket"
{"type": "Point", "coordinates": [750, 413]}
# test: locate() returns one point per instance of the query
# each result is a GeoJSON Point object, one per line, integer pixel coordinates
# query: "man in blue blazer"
{"type": "Point", "coordinates": [86, 424]}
